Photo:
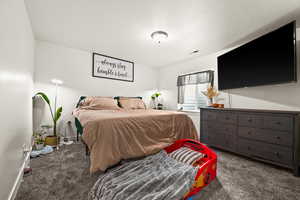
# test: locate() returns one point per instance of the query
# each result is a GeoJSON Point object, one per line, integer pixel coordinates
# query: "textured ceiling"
{"type": "Point", "coordinates": [122, 28]}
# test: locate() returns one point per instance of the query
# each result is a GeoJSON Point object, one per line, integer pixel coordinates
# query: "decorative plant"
{"type": "Point", "coordinates": [38, 138]}
{"type": "Point", "coordinates": [55, 114]}
{"type": "Point", "coordinates": [210, 93]}
{"type": "Point", "coordinates": [155, 95]}
{"type": "Point", "coordinates": [154, 98]}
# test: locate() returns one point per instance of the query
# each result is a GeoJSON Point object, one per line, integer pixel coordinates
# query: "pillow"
{"type": "Point", "coordinates": [132, 103]}
{"type": "Point", "coordinates": [99, 103]}
{"type": "Point", "coordinates": [186, 155]}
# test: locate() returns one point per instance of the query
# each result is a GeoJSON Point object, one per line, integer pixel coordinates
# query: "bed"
{"type": "Point", "coordinates": [112, 135]}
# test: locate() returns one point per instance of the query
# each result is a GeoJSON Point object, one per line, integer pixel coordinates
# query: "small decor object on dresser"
{"type": "Point", "coordinates": [211, 93]}
{"type": "Point", "coordinates": [112, 68]}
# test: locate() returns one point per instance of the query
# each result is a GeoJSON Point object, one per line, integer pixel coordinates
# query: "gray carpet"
{"type": "Point", "coordinates": [64, 175]}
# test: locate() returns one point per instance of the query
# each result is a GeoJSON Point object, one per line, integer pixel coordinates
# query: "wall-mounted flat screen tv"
{"type": "Point", "coordinates": [269, 59]}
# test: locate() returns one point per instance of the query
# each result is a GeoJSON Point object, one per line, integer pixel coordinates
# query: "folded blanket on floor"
{"type": "Point", "coordinates": [152, 178]}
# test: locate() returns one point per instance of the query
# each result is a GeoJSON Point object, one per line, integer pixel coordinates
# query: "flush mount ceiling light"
{"type": "Point", "coordinates": [159, 36]}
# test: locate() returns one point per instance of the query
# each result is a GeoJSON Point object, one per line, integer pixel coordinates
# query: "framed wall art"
{"type": "Point", "coordinates": [112, 68]}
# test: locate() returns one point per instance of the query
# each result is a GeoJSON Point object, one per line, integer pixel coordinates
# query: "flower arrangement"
{"type": "Point", "coordinates": [211, 93]}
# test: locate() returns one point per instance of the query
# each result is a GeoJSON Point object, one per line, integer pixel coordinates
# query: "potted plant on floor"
{"type": "Point", "coordinates": [52, 140]}
{"type": "Point", "coordinates": [38, 141]}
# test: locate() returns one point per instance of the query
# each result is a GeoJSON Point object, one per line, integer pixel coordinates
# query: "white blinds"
{"type": "Point", "coordinates": [190, 87]}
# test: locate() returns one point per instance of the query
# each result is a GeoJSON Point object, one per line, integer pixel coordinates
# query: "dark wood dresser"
{"type": "Point", "coordinates": [267, 135]}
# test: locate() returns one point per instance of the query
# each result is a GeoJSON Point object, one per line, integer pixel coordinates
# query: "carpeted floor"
{"type": "Point", "coordinates": [64, 175]}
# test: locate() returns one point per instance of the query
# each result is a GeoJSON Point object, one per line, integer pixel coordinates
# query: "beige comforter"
{"type": "Point", "coordinates": [113, 135]}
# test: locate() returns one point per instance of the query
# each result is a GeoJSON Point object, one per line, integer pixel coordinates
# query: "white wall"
{"type": "Point", "coordinates": [284, 96]}
{"type": "Point", "coordinates": [16, 84]}
{"type": "Point", "coordinates": [74, 67]}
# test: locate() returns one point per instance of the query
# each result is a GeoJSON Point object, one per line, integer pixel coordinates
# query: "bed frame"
{"type": "Point", "coordinates": [207, 166]}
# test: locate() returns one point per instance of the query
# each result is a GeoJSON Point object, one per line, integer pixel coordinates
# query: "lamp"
{"type": "Point", "coordinates": [159, 36]}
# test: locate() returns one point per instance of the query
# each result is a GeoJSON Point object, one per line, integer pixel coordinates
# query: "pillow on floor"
{"type": "Point", "coordinates": [186, 155]}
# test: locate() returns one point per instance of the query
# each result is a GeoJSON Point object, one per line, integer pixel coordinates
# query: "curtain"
{"type": "Point", "coordinates": [193, 79]}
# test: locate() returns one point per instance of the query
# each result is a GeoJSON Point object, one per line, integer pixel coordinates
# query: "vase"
{"type": "Point", "coordinates": [210, 101]}
{"type": "Point", "coordinates": [39, 146]}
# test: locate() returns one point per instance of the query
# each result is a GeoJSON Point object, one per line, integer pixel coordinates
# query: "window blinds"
{"type": "Point", "coordinates": [196, 78]}
{"type": "Point", "coordinates": [193, 79]}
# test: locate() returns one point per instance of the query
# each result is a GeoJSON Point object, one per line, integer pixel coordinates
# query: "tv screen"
{"type": "Point", "coordinates": [270, 59]}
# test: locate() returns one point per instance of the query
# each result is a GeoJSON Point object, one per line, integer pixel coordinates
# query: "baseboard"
{"type": "Point", "coordinates": [19, 178]}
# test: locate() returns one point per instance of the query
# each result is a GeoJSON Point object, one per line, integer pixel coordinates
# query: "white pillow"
{"type": "Point", "coordinates": [186, 155]}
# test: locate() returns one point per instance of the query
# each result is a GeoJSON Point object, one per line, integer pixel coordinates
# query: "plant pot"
{"type": "Point", "coordinates": [39, 146]}
{"type": "Point", "coordinates": [51, 140]}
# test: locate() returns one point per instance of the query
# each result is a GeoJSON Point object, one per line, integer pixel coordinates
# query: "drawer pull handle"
{"type": "Point", "coordinates": [278, 123]}
{"type": "Point", "coordinates": [277, 154]}
{"type": "Point", "coordinates": [278, 137]}
{"type": "Point", "coordinates": [249, 120]}
{"type": "Point", "coordinates": [249, 148]}
{"type": "Point", "coordinates": [249, 132]}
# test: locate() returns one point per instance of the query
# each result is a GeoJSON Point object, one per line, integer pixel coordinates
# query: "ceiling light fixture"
{"type": "Point", "coordinates": [159, 36]}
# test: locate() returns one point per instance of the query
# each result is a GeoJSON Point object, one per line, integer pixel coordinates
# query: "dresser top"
{"type": "Point", "coordinates": [253, 110]}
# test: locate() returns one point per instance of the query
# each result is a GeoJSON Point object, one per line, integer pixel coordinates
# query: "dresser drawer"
{"type": "Point", "coordinates": [283, 123]}
{"type": "Point", "coordinates": [230, 143]}
{"type": "Point", "coordinates": [228, 117]}
{"type": "Point", "coordinates": [250, 120]}
{"type": "Point", "coordinates": [220, 140]}
{"type": "Point", "coordinates": [265, 151]}
{"type": "Point", "coordinates": [209, 115]}
{"type": "Point", "coordinates": [209, 127]}
{"type": "Point", "coordinates": [248, 132]}
{"type": "Point", "coordinates": [217, 140]}
{"type": "Point", "coordinates": [227, 129]}
{"type": "Point", "coordinates": [269, 136]}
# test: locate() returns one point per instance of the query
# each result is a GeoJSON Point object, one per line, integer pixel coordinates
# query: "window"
{"type": "Point", "coordinates": [193, 97]}
{"type": "Point", "coordinates": [190, 89]}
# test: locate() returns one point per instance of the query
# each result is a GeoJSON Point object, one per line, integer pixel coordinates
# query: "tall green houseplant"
{"type": "Point", "coordinates": [55, 114]}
